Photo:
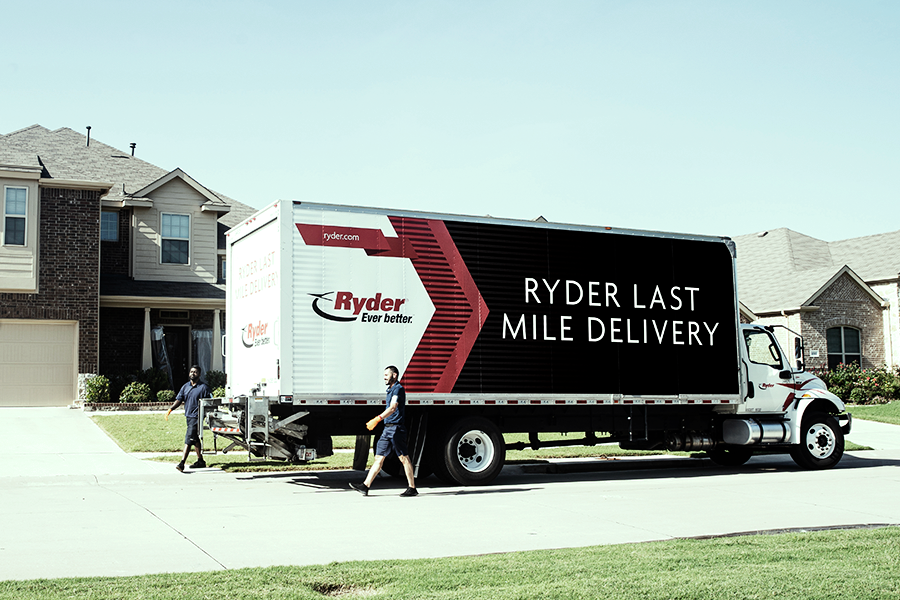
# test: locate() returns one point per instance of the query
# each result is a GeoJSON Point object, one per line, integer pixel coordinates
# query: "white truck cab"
{"type": "Point", "coordinates": [788, 405]}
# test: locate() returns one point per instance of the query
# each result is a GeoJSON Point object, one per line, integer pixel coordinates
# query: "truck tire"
{"type": "Point", "coordinates": [729, 456]}
{"type": "Point", "coordinates": [821, 442]}
{"type": "Point", "coordinates": [474, 451]}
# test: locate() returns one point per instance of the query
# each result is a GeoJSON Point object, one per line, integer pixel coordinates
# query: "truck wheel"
{"type": "Point", "coordinates": [474, 452]}
{"type": "Point", "coordinates": [729, 456]}
{"type": "Point", "coordinates": [821, 442]}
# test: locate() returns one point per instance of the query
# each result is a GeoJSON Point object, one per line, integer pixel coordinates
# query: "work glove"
{"type": "Point", "coordinates": [373, 423]}
{"type": "Point", "coordinates": [168, 413]}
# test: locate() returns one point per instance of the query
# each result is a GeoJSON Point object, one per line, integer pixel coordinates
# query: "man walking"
{"type": "Point", "coordinates": [190, 394]}
{"type": "Point", "coordinates": [393, 438]}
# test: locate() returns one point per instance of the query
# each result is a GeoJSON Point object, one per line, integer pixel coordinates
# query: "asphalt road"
{"type": "Point", "coordinates": [74, 504]}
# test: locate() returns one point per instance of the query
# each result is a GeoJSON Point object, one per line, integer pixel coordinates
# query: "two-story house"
{"type": "Point", "coordinates": [108, 264]}
{"type": "Point", "coordinates": [841, 296]}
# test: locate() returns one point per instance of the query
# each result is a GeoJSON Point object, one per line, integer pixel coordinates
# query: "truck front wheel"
{"type": "Point", "coordinates": [821, 442]}
{"type": "Point", "coordinates": [474, 451]}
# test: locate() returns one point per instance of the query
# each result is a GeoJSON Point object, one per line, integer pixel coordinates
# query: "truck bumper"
{"type": "Point", "coordinates": [845, 421]}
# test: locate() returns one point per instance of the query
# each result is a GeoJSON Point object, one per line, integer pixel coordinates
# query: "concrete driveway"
{"type": "Point", "coordinates": [74, 504]}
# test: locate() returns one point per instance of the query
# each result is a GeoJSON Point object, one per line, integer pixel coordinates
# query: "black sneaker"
{"type": "Point", "coordinates": [410, 492]}
{"type": "Point", "coordinates": [180, 466]}
{"type": "Point", "coordinates": [200, 464]}
{"type": "Point", "coordinates": [361, 488]}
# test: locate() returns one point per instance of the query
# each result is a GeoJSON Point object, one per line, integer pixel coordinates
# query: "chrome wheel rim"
{"type": "Point", "coordinates": [820, 441]}
{"type": "Point", "coordinates": [475, 451]}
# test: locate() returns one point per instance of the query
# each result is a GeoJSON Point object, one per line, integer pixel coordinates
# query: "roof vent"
{"type": "Point", "coordinates": [762, 234]}
{"type": "Point", "coordinates": [88, 136]}
{"type": "Point", "coordinates": [132, 144]}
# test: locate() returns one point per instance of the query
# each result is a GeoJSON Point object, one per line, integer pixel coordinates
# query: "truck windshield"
{"type": "Point", "coordinates": [761, 349]}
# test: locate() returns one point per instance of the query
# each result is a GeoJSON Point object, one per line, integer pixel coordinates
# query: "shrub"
{"type": "Point", "coordinates": [167, 396]}
{"type": "Point", "coordinates": [97, 389]}
{"type": "Point", "coordinates": [156, 379]}
{"type": "Point", "coordinates": [136, 392]}
{"type": "Point", "coordinates": [878, 385]}
{"type": "Point", "coordinates": [219, 392]}
{"type": "Point", "coordinates": [216, 380]}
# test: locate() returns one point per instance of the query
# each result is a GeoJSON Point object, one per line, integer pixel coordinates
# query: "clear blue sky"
{"type": "Point", "coordinates": [706, 117]}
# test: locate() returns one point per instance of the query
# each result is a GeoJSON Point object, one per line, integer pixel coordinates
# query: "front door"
{"type": "Point", "coordinates": [178, 348]}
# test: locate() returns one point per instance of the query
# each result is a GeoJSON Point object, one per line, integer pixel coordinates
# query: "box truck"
{"type": "Point", "coordinates": [501, 326]}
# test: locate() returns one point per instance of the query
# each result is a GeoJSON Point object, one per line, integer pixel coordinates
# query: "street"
{"type": "Point", "coordinates": [94, 510]}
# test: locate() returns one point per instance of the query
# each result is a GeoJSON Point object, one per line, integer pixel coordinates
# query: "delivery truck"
{"type": "Point", "coordinates": [501, 326]}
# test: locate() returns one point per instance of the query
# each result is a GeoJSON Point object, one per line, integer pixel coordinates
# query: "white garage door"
{"type": "Point", "coordinates": [38, 363]}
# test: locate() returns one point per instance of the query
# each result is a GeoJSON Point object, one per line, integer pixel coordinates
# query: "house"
{"type": "Point", "coordinates": [108, 264]}
{"type": "Point", "coordinates": [842, 296]}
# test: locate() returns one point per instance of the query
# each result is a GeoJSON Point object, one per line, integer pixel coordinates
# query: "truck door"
{"type": "Point", "coordinates": [769, 373]}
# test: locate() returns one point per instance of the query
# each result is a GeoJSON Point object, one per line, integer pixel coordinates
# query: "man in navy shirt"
{"type": "Point", "coordinates": [190, 394]}
{"type": "Point", "coordinates": [393, 438]}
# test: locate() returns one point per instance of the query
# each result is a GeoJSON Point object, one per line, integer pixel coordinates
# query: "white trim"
{"type": "Point", "coordinates": [162, 302]}
{"type": "Point", "coordinates": [846, 269]}
{"type": "Point", "coordinates": [189, 238]}
{"type": "Point", "coordinates": [178, 173]}
{"type": "Point", "coordinates": [23, 216]}
{"type": "Point", "coordinates": [75, 184]}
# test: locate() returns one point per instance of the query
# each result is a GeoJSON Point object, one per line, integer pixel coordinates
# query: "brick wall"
{"type": "Point", "coordinates": [115, 257]}
{"type": "Point", "coordinates": [68, 270]}
{"type": "Point", "coordinates": [845, 304]}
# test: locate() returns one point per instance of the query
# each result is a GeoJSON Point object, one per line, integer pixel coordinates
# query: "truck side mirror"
{"type": "Point", "coordinates": [798, 352]}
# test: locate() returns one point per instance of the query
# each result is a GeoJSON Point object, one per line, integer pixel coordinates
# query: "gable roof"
{"type": "Point", "coordinates": [782, 269]}
{"type": "Point", "coordinates": [65, 155]}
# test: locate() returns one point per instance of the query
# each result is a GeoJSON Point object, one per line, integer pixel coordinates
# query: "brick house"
{"type": "Point", "coordinates": [108, 264]}
{"type": "Point", "coordinates": [842, 297]}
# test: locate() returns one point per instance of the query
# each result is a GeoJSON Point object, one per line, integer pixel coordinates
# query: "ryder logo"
{"type": "Point", "coordinates": [346, 307]}
{"type": "Point", "coordinates": [255, 335]}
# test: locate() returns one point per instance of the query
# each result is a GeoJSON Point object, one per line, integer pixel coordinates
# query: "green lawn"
{"type": "Point", "coordinates": [883, 413]}
{"type": "Point", "coordinates": [834, 565]}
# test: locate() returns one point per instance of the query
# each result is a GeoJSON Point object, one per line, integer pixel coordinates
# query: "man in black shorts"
{"type": "Point", "coordinates": [393, 438]}
{"type": "Point", "coordinates": [190, 394]}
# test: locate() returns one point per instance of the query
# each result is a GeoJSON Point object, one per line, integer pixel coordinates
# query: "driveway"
{"type": "Point", "coordinates": [74, 504]}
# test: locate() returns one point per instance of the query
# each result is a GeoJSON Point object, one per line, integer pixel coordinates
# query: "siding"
{"type": "Point", "coordinates": [18, 264]}
{"type": "Point", "coordinates": [175, 197]}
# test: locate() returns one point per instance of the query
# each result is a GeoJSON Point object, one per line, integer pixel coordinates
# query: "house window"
{"type": "Point", "coordinates": [14, 210]}
{"type": "Point", "coordinates": [109, 226]}
{"type": "Point", "coordinates": [176, 239]}
{"type": "Point", "coordinates": [223, 269]}
{"type": "Point", "coordinates": [843, 346]}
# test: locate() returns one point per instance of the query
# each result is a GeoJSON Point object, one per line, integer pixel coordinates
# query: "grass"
{"type": "Point", "coordinates": [838, 565]}
{"type": "Point", "coordinates": [883, 413]}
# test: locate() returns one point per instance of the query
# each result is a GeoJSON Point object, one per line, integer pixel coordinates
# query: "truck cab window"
{"type": "Point", "coordinates": [761, 349]}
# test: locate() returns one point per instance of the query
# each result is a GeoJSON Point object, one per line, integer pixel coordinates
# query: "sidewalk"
{"type": "Point", "coordinates": [879, 436]}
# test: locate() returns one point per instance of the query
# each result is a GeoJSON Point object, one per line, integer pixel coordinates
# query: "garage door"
{"type": "Point", "coordinates": [38, 363]}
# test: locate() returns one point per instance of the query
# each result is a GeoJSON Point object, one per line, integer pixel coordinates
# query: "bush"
{"type": "Point", "coordinates": [156, 379]}
{"type": "Point", "coordinates": [878, 385]}
{"type": "Point", "coordinates": [219, 392]}
{"type": "Point", "coordinates": [216, 380]}
{"type": "Point", "coordinates": [167, 396]}
{"type": "Point", "coordinates": [97, 389]}
{"type": "Point", "coordinates": [136, 392]}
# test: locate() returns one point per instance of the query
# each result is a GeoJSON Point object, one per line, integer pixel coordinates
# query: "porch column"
{"type": "Point", "coordinates": [147, 349]}
{"type": "Point", "coordinates": [216, 362]}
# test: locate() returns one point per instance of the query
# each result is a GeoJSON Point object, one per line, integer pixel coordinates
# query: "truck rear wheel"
{"type": "Point", "coordinates": [821, 442]}
{"type": "Point", "coordinates": [474, 451]}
